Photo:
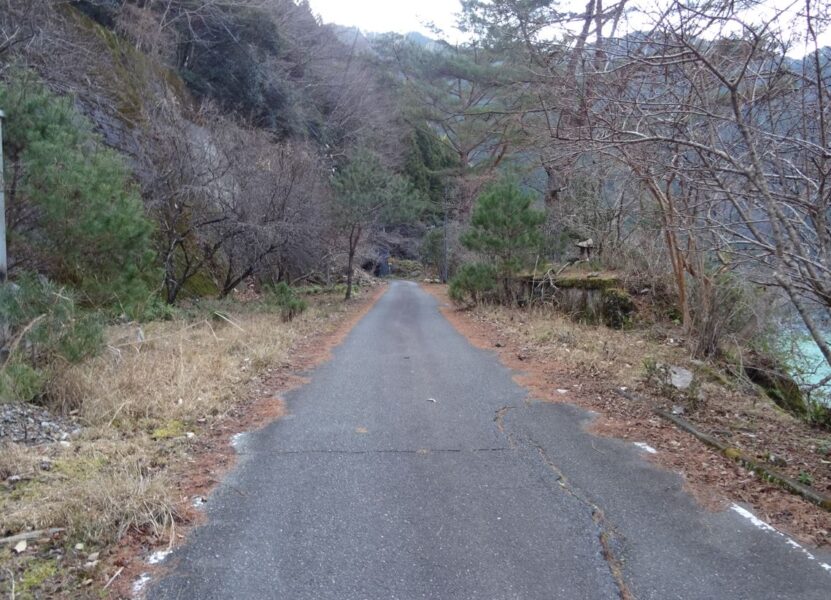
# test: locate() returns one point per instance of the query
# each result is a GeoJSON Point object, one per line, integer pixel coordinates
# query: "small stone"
{"type": "Point", "coordinates": [678, 410]}
{"type": "Point", "coordinates": [93, 557]}
{"type": "Point", "coordinates": [190, 435]}
{"type": "Point", "coordinates": [79, 546]}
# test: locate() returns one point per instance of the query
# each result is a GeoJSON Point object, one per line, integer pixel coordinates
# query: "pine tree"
{"type": "Point", "coordinates": [506, 229]}
{"type": "Point", "coordinates": [75, 214]}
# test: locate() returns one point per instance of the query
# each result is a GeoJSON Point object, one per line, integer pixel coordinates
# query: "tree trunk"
{"type": "Point", "coordinates": [354, 239]}
{"type": "Point", "coordinates": [349, 270]}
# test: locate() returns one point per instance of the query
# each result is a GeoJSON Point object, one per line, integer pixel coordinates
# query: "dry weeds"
{"type": "Point", "coordinates": [158, 403]}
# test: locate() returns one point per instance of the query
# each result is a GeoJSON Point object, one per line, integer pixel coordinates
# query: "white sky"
{"type": "Point", "coordinates": [382, 16]}
{"type": "Point", "coordinates": [403, 16]}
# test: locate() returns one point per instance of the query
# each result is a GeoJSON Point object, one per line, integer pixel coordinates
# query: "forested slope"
{"type": "Point", "coordinates": [231, 118]}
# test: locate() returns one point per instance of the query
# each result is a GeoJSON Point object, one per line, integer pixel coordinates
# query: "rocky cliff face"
{"type": "Point", "coordinates": [118, 87]}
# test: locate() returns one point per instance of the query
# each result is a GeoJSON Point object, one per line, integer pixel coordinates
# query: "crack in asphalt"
{"type": "Point", "coordinates": [499, 419]}
{"type": "Point", "coordinates": [379, 451]}
{"type": "Point", "coordinates": [607, 534]}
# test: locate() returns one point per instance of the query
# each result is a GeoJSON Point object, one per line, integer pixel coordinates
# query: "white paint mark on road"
{"type": "Point", "coordinates": [646, 447]}
{"type": "Point", "coordinates": [757, 522]}
{"type": "Point", "coordinates": [753, 518]}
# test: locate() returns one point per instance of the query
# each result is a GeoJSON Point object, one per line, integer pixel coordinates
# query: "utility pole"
{"type": "Point", "coordinates": [3, 261]}
{"type": "Point", "coordinates": [444, 237]}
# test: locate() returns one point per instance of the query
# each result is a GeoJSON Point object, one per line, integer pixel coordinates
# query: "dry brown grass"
{"type": "Point", "coordinates": [619, 355]}
{"type": "Point", "coordinates": [145, 406]}
{"type": "Point", "coordinates": [182, 371]}
{"type": "Point", "coordinates": [97, 489]}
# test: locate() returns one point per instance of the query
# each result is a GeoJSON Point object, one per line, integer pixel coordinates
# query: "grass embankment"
{"type": "Point", "coordinates": [564, 361]}
{"type": "Point", "coordinates": [156, 410]}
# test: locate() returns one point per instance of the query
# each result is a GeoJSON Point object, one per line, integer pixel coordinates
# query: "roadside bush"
{"type": "Point", "coordinates": [44, 330]}
{"type": "Point", "coordinates": [283, 297]}
{"type": "Point", "coordinates": [406, 268]}
{"type": "Point", "coordinates": [432, 250]}
{"type": "Point", "coordinates": [723, 307]}
{"type": "Point", "coordinates": [473, 283]}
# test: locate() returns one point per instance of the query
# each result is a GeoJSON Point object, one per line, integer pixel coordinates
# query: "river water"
{"type": "Point", "coordinates": [810, 365]}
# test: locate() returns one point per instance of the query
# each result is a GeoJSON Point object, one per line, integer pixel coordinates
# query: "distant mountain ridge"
{"type": "Point", "coordinates": [364, 41]}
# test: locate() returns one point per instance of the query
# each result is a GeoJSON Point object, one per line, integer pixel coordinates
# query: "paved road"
{"type": "Point", "coordinates": [369, 490]}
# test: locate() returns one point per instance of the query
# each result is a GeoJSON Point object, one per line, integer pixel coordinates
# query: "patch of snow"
{"type": "Point", "coordinates": [646, 447]}
{"type": "Point", "coordinates": [765, 527]}
{"type": "Point", "coordinates": [238, 440]}
{"type": "Point", "coordinates": [158, 557]}
{"type": "Point", "coordinates": [140, 583]}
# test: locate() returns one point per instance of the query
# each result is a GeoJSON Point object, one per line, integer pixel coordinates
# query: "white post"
{"type": "Point", "coordinates": [3, 261]}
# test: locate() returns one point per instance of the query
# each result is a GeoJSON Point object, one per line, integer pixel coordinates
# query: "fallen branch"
{"type": "Point", "coordinates": [229, 320]}
{"type": "Point", "coordinates": [110, 581]}
{"type": "Point", "coordinates": [31, 535]}
{"type": "Point", "coordinates": [736, 455]}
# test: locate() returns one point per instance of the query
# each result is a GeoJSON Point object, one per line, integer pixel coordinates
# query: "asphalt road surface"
{"type": "Point", "coordinates": [412, 467]}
